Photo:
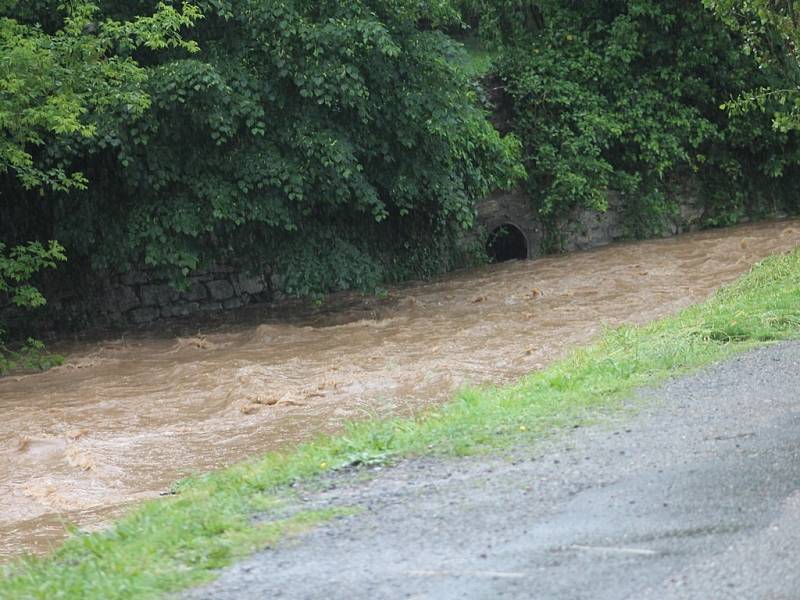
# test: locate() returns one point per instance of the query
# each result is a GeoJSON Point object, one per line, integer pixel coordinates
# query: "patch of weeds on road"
{"type": "Point", "coordinates": [168, 545]}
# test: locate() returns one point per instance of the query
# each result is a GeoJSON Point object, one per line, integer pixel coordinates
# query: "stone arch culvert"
{"type": "Point", "coordinates": [510, 227]}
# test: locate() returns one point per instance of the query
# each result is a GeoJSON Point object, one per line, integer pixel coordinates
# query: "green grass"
{"type": "Point", "coordinates": [171, 544]}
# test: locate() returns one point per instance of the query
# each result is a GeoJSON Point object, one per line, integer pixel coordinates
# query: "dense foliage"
{"type": "Point", "coordinates": [334, 141]}
{"type": "Point", "coordinates": [53, 76]}
{"type": "Point", "coordinates": [342, 144]}
{"type": "Point", "coordinates": [770, 32]}
{"type": "Point", "coordinates": [627, 95]}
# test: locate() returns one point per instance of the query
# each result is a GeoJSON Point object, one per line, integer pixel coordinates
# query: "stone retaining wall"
{"type": "Point", "coordinates": [135, 298]}
{"type": "Point", "coordinates": [138, 300]}
{"type": "Point", "coordinates": [584, 229]}
{"type": "Point", "coordinates": [139, 297]}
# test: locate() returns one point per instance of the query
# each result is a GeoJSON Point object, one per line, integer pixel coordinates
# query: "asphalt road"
{"type": "Point", "coordinates": [697, 496]}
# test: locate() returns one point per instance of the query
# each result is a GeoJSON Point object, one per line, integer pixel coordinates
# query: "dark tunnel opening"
{"type": "Point", "coordinates": [507, 242]}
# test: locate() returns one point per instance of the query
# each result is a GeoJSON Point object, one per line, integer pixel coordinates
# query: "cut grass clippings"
{"type": "Point", "coordinates": [168, 545]}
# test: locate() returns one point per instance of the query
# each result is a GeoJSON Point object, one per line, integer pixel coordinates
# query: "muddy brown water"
{"type": "Point", "coordinates": [124, 418]}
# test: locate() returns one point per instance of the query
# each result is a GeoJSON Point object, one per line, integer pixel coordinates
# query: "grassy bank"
{"type": "Point", "coordinates": [171, 544]}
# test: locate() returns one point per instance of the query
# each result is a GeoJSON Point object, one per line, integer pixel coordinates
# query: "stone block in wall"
{"type": "Point", "coordinates": [158, 295]}
{"type": "Point", "coordinates": [121, 299]}
{"type": "Point", "coordinates": [277, 281]}
{"type": "Point", "coordinates": [211, 306]}
{"type": "Point", "coordinates": [143, 315]}
{"type": "Point", "coordinates": [224, 269]}
{"type": "Point", "coordinates": [202, 277]}
{"type": "Point", "coordinates": [197, 291]}
{"type": "Point", "coordinates": [691, 212]}
{"type": "Point", "coordinates": [220, 289]}
{"type": "Point", "coordinates": [180, 310]}
{"type": "Point", "coordinates": [134, 278]}
{"type": "Point", "coordinates": [233, 303]}
{"type": "Point", "coordinates": [250, 285]}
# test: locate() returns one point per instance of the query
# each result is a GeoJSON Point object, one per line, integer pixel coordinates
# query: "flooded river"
{"type": "Point", "coordinates": [124, 418]}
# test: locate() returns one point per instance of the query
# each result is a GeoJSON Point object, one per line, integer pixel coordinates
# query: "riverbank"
{"type": "Point", "coordinates": [177, 542]}
{"type": "Point", "coordinates": [129, 414]}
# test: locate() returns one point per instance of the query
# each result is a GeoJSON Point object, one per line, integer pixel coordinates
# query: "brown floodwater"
{"type": "Point", "coordinates": [124, 418]}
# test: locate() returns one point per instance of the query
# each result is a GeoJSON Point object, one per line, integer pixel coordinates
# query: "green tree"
{"type": "Point", "coordinates": [337, 141]}
{"type": "Point", "coordinates": [50, 82]}
{"type": "Point", "coordinates": [625, 96]}
{"type": "Point", "coordinates": [771, 33]}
